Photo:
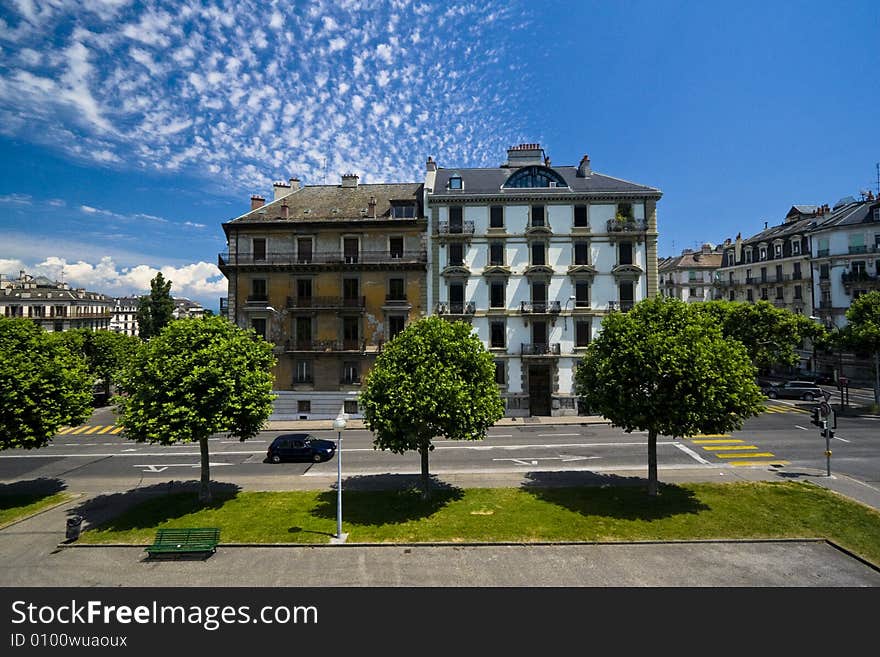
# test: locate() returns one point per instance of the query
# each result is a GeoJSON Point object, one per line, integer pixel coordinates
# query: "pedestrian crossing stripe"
{"type": "Point", "coordinates": [721, 448]}
{"type": "Point", "coordinates": [784, 409]}
{"type": "Point", "coordinates": [87, 429]}
{"type": "Point", "coordinates": [721, 441]}
{"type": "Point", "coordinates": [755, 455]}
{"type": "Point", "coordinates": [711, 435]}
{"type": "Point", "coordinates": [754, 463]}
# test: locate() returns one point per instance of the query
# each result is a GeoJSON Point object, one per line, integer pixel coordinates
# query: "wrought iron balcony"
{"type": "Point", "coordinates": [860, 276]}
{"type": "Point", "coordinates": [539, 307]}
{"type": "Point", "coordinates": [396, 300]}
{"type": "Point", "coordinates": [321, 303]}
{"type": "Point", "coordinates": [456, 228]}
{"type": "Point", "coordinates": [447, 308]}
{"type": "Point", "coordinates": [324, 258]}
{"type": "Point", "coordinates": [626, 226]}
{"type": "Point", "coordinates": [540, 349]}
{"type": "Point", "coordinates": [325, 345]}
{"type": "Point", "coordinates": [622, 306]}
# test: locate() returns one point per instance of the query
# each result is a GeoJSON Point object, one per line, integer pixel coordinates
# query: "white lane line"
{"type": "Point", "coordinates": [138, 454]}
{"type": "Point", "coordinates": [553, 435]}
{"type": "Point", "coordinates": [842, 439]}
{"type": "Point", "coordinates": [800, 427]}
{"type": "Point", "coordinates": [692, 453]}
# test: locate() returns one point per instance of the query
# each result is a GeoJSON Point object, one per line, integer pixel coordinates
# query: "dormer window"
{"type": "Point", "coordinates": [403, 211]}
{"type": "Point", "coordinates": [455, 182]}
{"type": "Point", "coordinates": [796, 247]}
{"type": "Point", "coordinates": [763, 253]}
{"type": "Point", "coordinates": [777, 251]}
{"type": "Point", "coordinates": [535, 176]}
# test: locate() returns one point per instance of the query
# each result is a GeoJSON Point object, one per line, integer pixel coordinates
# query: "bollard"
{"type": "Point", "coordinates": [74, 524]}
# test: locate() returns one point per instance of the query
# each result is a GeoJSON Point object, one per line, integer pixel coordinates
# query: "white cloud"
{"type": "Point", "coordinates": [17, 199]}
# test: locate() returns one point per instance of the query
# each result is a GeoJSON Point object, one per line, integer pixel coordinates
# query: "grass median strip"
{"type": "Point", "coordinates": [616, 513]}
{"type": "Point", "coordinates": [17, 506]}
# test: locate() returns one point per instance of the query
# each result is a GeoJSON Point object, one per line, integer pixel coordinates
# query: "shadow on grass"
{"type": "Point", "coordinates": [386, 499]}
{"type": "Point", "coordinates": [149, 506]}
{"type": "Point", "coordinates": [611, 496]}
{"type": "Point", "coordinates": [22, 493]}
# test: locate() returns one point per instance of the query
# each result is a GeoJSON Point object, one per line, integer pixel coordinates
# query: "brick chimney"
{"type": "Point", "coordinates": [372, 205]}
{"type": "Point", "coordinates": [432, 165]}
{"type": "Point", "coordinates": [257, 202]}
{"type": "Point", "coordinates": [294, 184]}
{"type": "Point", "coordinates": [285, 211]}
{"type": "Point", "coordinates": [584, 167]}
{"type": "Point", "coordinates": [350, 180]}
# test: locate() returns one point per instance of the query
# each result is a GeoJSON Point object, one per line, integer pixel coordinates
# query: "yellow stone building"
{"type": "Point", "coordinates": [328, 273]}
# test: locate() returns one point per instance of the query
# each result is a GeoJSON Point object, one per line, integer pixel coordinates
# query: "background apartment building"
{"type": "Point", "coordinates": [124, 315]}
{"type": "Point", "coordinates": [690, 276]}
{"type": "Point", "coordinates": [54, 305]}
{"type": "Point", "coordinates": [535, 256]}
{"type": "Point", "coordinates": [328, 273]}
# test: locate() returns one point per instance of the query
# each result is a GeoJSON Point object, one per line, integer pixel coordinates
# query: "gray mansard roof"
{"type": "Point", "coordinates": [490, 181]}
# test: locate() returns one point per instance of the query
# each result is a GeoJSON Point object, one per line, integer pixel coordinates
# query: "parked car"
{"type": "Point", "coordinates": [805, 390]}
{"type": "Point", "coordinates": [300, 447]}
{"type": "Point", "coordinates": [824, 378]}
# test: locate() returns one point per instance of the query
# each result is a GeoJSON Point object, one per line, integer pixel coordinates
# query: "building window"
{"type": "Point", "coordinates": [582, 294]}
{"type": "Point", "coordinates": [797, 271]}
{"type": "Point", "coordinates": [731, 295]}
{"type": "Point", "coordinates": [396, 324]}
{"type": "Point", "coordinates": [259, 249]}
{"type": "Point", "coordinates": [395, 247]}
{"type": "Point", "coordinates": [796, 247]}
{"type": "Point", "coordinates": [456, 254]}
{"type": "Point", "coordinates": [303, 406]}
{"type": "Point", "coordinates": [351, 372]}
{"type": "Point", "coordinates": [764, 296]}
{"type": "Point", "coordinates": [351, 333]}
{"type": "Point", "coordinates": [730, 260]}
{"type": "Point", "coordinates": [626, 295]}
{"type": "Point", "coordinates": [625, 253]}
{"type": "Point", "coordinates": [456, 220]}
{"type": "Point", "coordinates": [497, 294]}
{"type": "Point", "coordinates": [538, 218]}
{"type": "Point", "coordinates": [259, 326]}
{"type": "Point", "coordinates": [258, 289]}
{"type": "Point", "coordinates": [455, 182]}
{"type": "Point", "coordinates": [692, 291]}
{"type": "Point", "coordinates": [496, 254]}
{"type": "Point", "coordinates": [496, 216]}
{"type": "Point", "coordinates": [777, 250]}
{"type": "Point", "coordinates": [779, 293]}
{"type": "Point", "coordinates": [538, 253]}
{"type": "Point", "coordinates": [750, 295]}
{"type": "Point", "coordinates": [798, 293]}
{"type": "Point", "coordinates": [303, 291]}
{"type": "Point", "coordinates": [304, 250]}
{"type": "Point", "coordinates": [500, 373]}
{"type": "Point", "coordinates": [778, 273]}
{"type": "Point", "coordinates": [303, 371]}
{"type": "Point", "coordinates": [748, 255]}
{"type": "Point", "coordinates": [581, 333]}
{"type": "Point", "coordinates": [497, 338]}
{"type": "Point", "coordinates": [582, 253]}
{"type": "Point", "coordinates": [763, 253]}
{"type": "Point", "coordinates": [763, 274]}
{"type": "Point", "coordinates": [396, 289]}
{"type": "Point", "coordinates": [350, 406]}
{"type": "Point", "coordinates": [303, 332]}
{"type": "Point", "coordinates": [580, 216]}
{"type": "Point", "coordinates": [350, 249]}
{"type": "Point", "coordinates": [400, 211]}
{"type": "Point", "coordinates": [351, 289]}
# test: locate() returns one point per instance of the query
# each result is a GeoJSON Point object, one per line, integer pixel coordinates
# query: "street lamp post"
{"type": "Point", "coordinates": [339, 425]}
{"type": "Point", "coordinates": [564, 307]}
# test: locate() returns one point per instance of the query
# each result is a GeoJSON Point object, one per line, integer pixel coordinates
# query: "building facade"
{"type": "Point", "coordinates": [184, 308]}
{"type": "Point", "coordinates": [53, 305]}
{"type": "Point", "coordinates": [328, 273]}
{"type": "Point", "coordinates": [124, 315]}
{"type": "Point", "coordinates": [690, 277]}
{"type": "Point", "coordinates": [534, 257]}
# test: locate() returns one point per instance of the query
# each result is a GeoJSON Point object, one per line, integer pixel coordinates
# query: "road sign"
{"type": "Point", "coordinates": [842, 381]}
{"type": "Point", "coordinates": [825, 409]}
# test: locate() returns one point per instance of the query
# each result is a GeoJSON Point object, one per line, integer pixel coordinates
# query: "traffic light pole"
{"type": "Point", "coordinates": [819, 419]}
{"type": "Point", "coordinates": [827, 433]}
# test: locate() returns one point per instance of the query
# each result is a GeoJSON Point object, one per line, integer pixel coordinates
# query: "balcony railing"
{"type": "Point", "coordinates": [630, 225]}
{"type": "Point", "coordinates": [224, 305]}
{"type": "Point", "coordinates": [540, 349]}
{"type": "Point", "coordinates": [396, 300]}
{"type": "Point", "coordinates": [463, 228]}
{"type": "Point", "coordinates": [325, 258]}
{"type": "Point", "coordinates": [622, 306]}
{"type": "Point", "coordinates": [857, 277]}
{"type": "Point", "coordinates": [318, 303]}
{"type": "Point", "coordinates": [350, 380]}
{"type": "Point", "coordinates": [326, 345]}
{"type": "Point", "coordinates": [447, 308]}
{"type": "Point", "coordinates": [539, 307]}
{"type": "Point", "coordinates": [822, 253]}
{"type": "Point", "coordinates": [257, 298]}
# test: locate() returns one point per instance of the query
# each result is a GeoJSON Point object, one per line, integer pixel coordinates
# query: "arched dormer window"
{"type": "Point", "coordinates": [534, 176]}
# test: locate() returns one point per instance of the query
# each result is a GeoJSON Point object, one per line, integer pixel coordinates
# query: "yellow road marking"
{"type": "Point", "coordinates": [65, 430]}
{"type": "Point", "coordinates": [713, 442]}
{"type": "Point", "coordinates": [80, 430]}
{"type": "Point", "coordinates": [744, 463]}
{"type": "Point", "coordinates": [711, 435]}
{"type": "Point", "coordinates": [106, 429]}
{"type": "Point", "coordinates": [93, 429]}
{"type": "Point", "coordinates": [721, 448]}
{"type": "Point", "coordinates": [746, 456]}
{"type": "Point", "coordinates": [116, 430]}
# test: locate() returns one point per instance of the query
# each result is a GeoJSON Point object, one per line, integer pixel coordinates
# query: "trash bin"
{"type": "Point", "coordinates": [74, 524]}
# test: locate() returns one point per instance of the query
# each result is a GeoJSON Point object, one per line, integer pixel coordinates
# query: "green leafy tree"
{"type": "Point", "coordinates": [46, 385]}
{"type": "Point", "coordinates": [666, 368]}
{"type": "Point", "coordinates": [196, 378]}
{"type": "Point", "coordinates": [863, 331]}
{"type": "Point", "coordinates": [770, 334]}
{"type": "Point", "coordinates": [155, 310]}
{"type": "Point", "coordinates": [435, 378]}
{"type": "Point", "coordinates": [106, 352]}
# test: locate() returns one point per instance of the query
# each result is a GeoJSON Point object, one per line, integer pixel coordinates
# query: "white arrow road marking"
{"type": "Point", "coordinates": [131, 449]}
{"type": "Point", "coordinates": [158, 468]}
{"type": "Point", "coordinates": [550, 458]}
{"type": "Point", "coordinates": [800, 427]}
{"type": "Point", "coordinates": [692, 453]}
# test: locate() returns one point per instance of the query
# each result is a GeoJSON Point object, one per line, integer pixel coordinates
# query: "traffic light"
{"type": "Point", "coordinates": [815, 421]}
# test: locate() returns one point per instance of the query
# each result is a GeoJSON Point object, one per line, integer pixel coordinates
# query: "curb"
{"type": "Point", "coordinates": [74, 497]}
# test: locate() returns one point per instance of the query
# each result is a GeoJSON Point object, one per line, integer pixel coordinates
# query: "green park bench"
{"type": "Point", "coordinates": [183, 541]}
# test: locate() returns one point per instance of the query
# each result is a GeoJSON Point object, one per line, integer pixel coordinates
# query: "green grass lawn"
{"type": "Point", "coordinates": [680, 512]}
{"type": "Point", "coordinates": [15, 507]}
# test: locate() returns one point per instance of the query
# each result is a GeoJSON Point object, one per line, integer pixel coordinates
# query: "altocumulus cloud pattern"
{"type": "Point", "coordinates": [250, 92]}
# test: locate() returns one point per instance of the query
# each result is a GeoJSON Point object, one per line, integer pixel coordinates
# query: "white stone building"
{"type": "Point", "coordinates": [53, 305]}
{"type": "Point", "coordinates": [124, 317]}
{"type": "Point", "coordinates": [689, 277]}
{"type": "Point", "coordinates": [535, 256]}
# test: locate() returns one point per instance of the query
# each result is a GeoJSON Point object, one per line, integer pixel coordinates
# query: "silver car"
{"type": "Point", "coordinates": [805, 390]}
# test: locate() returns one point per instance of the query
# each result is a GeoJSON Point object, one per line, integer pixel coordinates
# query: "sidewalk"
{"type": "Point", "coordinates": [322, 425]}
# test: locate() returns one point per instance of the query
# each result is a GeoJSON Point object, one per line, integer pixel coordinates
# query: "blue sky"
{"type": "Point", "coordinates": [129, 131]}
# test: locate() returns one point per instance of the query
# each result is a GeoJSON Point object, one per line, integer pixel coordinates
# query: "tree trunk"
{"type": "Point", "coordinates": [205, 488]}
{"type": "Point", "coordinates": [877, 377]}
{"type": "Point", "coordinates": [652, 463]}
{"type": "Point", "coordinates": [426, 477]}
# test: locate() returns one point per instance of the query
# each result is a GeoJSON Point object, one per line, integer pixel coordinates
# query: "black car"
{"type": "Point", "coordinates": [300, 447]}
{"type": "Point", "coordinates": [805, 390]}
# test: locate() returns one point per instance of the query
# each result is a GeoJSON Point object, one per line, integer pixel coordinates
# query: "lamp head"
{"type": "Point", "coordinates": [339, 423]}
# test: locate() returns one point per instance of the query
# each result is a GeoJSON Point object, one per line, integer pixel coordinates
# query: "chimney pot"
{"type": "Point", "coordinates": [294, 184]}
{"type": "Point", "coordinates": [432, 165]}
{"type": "Point", "coordinates": [257, 202]}
{"type": "Point", "coordinates": [281, 189]}
{"type": "Point", "coordinates": [350, 180]}
{"type": "Point", "coordinates": [285, 211]}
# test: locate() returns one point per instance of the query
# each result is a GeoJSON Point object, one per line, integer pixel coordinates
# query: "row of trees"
{"type": "Point", "coordinates": [665, 367]}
